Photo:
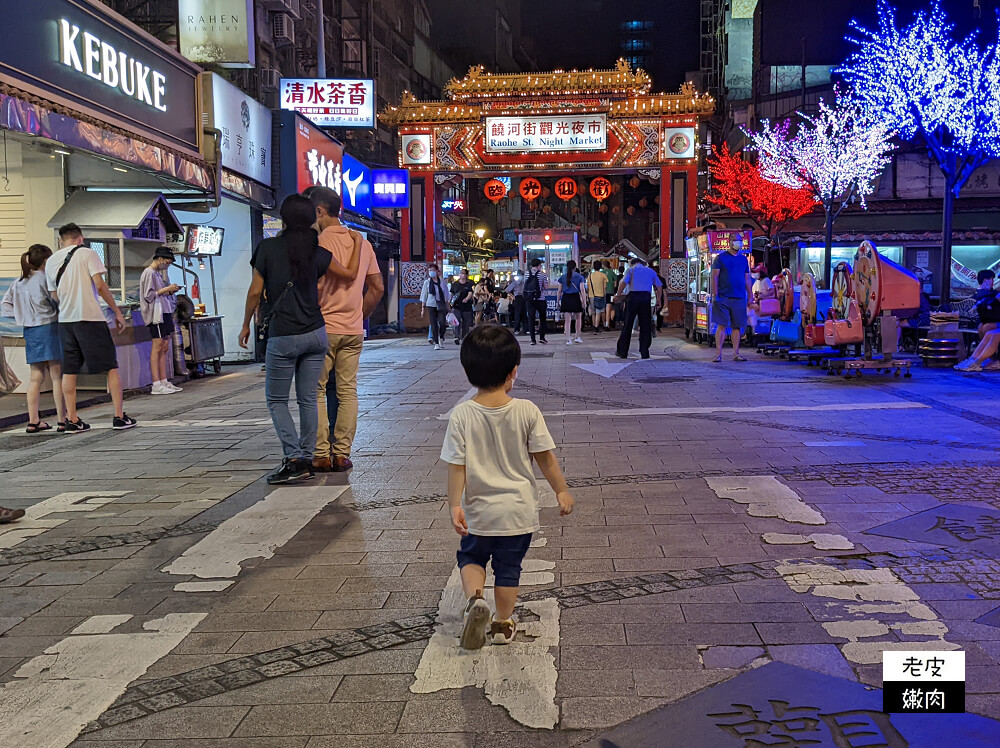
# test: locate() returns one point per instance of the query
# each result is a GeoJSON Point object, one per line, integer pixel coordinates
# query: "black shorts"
{"type": "Point", "coordinates": [163, 330]}
{"type": "Point", "coordinates": [87, 343]}
{"type": "Point", "coordinates": [505, 551]}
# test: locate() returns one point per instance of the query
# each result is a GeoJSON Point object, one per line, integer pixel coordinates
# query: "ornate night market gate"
{"type": "Point", "coordinates": [538, 143]}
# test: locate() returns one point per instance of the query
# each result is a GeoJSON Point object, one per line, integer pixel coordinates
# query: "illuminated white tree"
{"type": "Point", "coordinates": [837, 155]}
{"type": "Point", "coordinates": [925, 84]}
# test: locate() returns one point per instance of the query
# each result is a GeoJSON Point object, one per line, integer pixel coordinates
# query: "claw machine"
{"type": "Point", "coordinates": [701, 253]}
{"type": "Point", "coordinates": [554, 247]}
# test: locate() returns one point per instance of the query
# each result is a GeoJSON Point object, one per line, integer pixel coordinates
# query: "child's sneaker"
{"type": "Point", "coordinates": [502, 632]}
{"type": "Point", "coordinates": [477, 615]}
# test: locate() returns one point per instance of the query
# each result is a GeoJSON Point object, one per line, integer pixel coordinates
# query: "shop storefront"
{"type": "Point", "coordinates": [98, 122]}
{"type": "Point", "coordinates": [238, 137]}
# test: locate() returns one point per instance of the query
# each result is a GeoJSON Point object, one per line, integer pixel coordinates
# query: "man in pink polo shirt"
{"type": "Point", "coordinates": [345, 304]}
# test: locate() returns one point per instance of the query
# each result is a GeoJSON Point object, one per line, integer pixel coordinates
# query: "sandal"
{"type": "Point", "coordinates": [718, 359]}
{"type": "Point", "coordinates": [739, 358]}
{"type": "Point", "coordinates": [10, 515]}
{"type": "Point", "coordinates": [34, 428]}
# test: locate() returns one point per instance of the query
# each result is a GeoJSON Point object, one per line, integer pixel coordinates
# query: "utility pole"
{"type": "Point", "coordinates": [321, 42]}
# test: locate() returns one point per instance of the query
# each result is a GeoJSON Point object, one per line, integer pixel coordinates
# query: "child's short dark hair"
{"type": "Point", "coordinates": [489, 354]}
{"type": "Point", "coordinates": [983, 275]}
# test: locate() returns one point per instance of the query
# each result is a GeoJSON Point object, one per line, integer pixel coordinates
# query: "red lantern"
{"type": "Point", "coordinates": [633, 182]}
{"type": "Point", "coordinates": [531, 189]}
{"type": "Point", "coordinates": [643, 203]}
{"type": "Point", "coordinates": [600, 188]}
{"type": "Point", "coordinates": [495, 190]}
{"type": "Point", "coordinates": [566, 188]}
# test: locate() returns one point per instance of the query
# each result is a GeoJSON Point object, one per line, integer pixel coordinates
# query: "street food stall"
{"type": "Point", "coordinates": [554, 247]}
{"type": "Point", "coordinates": [701, 253]}
{"type": "Point", "coordinates": [201, 332]}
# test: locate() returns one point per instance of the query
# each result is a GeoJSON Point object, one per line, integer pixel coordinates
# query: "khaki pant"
{"type": "Point", "coordinates": [341, 361]}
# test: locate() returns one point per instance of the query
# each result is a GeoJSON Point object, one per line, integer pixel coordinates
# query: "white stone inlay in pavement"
{"type": "Point", "coordinates": [256, 532]}
{"type": "Point", "coordinates": [53, 696]}
{"type": "Point", "coordinates": [765, 496]}
{"type": "Point", "coordinates": [871, 604]}
{"type": "Point", "coordinates": [602, 367]}
{"type": "Point", "coordinates": [834, 444]}
{"type": "Point", "coordinates": [520, 677]}
{"type": "Point", "coordinates": [209, 586]}
{"type": "Point", "coordinates": [823, 541]}
{"type": "Point", "coordinates": [37, 518]}
{"type": "Point", "coordinates": [636, 412]}
{"type": "Point", "coordinates": [101, 624]}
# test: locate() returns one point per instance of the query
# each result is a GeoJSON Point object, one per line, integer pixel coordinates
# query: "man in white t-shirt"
{"type": "Point", "coordinates": [75, 276]}
{"type": "Point", "coordinates": [490, 443]}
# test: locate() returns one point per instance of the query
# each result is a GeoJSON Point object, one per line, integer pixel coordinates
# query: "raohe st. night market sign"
{"type": "Point", "coordinates": [573, 132]}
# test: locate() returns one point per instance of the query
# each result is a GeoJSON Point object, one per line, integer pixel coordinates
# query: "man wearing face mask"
{"type": "Point", "coordinates": [434, 299]}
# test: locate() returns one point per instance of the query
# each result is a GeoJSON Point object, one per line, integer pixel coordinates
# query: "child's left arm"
{"type": "Point", "coordinates": [456, 487]}
{"type": "Point", "coordinates": [553, 474]}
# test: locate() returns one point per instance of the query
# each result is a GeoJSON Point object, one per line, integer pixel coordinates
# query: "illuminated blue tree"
{"type": "Point", "coordinates": [927, 84]}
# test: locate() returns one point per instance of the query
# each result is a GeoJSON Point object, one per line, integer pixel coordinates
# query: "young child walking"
{"type": "Point", "coordinates": [490, 443]}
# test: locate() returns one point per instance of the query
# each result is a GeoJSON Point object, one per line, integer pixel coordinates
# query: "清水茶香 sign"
{"type": "Point", "coordinates": [331, 102]}
{"type": "Point", "coordinates": [571, 132]}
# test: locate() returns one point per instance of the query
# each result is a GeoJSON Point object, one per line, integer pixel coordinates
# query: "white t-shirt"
{"type": "Point", "coordinates": [495, 445]}
{"type": "Point", "coordinates": [762, 286]}
{"type": "Point", "coordinates": [78, 301]}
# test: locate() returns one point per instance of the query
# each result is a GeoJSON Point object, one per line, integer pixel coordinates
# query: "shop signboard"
{"type": "Point", "coordinates": [331, 102]}
{"type": "Point", "coordinates": [390, 188]}
{"type": "Point", "coordinates": [220, 32]}
{"type": "Point", "coordinates": [569, 132]}
{"type": "Point", "coordinates": [245, 127]}
{"type": "Point", "coordinates": [678, 142]}
{"type": "Point", "coordinates": [309, 157]}
{"type": "Point", "coordinates": [356, 183]}
{"type": "Point", "coordinates": [416, 149]}
{"type": "Point", "coordinates": [82, 55]}
{"type": "Point", "coordinates": [722, 240]}
{"type": "Point", "coordinates": [453, 206]}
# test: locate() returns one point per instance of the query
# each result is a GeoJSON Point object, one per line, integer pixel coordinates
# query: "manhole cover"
{"type": "Point", "coordinates": [665, 380]}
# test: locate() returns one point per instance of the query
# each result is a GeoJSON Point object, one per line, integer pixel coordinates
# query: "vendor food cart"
{"type": "Point", "coordinates": [701, 253]}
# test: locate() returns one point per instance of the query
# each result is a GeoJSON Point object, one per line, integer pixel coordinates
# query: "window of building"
{"type": "Point", "coordinates": [631, 26]}
{"type": "Point", "coordinates": [636, 45]}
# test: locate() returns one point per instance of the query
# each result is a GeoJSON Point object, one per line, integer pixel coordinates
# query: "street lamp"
{"type": "Point", "coordinates": [480, 232]}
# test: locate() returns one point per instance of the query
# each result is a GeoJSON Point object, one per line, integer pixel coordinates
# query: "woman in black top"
{"type": "Point", "coordinates": [286, 269]}
{"type": "Point", "coordinates": [462, 293]}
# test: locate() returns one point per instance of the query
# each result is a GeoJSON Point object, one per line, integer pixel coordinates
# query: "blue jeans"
{"type": "Point", "coordinates": [301, 357]}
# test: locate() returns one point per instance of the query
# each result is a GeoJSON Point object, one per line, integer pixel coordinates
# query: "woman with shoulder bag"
{"type": "Point", "coordinates": [288, 268]}
{"type": "Point", "coordinates": [28, 301]}
{"type": "Point", "coordinates": [433, 297]}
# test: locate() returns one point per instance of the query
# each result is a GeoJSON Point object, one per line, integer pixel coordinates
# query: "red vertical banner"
{"type": "Point", "coordinates": [664, 214]}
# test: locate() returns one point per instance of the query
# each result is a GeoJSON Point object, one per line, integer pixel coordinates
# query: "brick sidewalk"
{"type": "Point", "coordinates": [727, 516]}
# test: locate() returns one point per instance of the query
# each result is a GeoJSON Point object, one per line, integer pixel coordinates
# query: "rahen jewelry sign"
{"type": "Point", "coordinates": [572, 132]}
{"type": "Point", "coordinates": [217, 31]}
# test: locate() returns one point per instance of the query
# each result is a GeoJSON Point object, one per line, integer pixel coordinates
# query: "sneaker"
{"type": "Point", "coordinates": [578, 339]}
{"type": "Point", "coordinates": [125, 422]}
{"type": "Point", "coordinates": [437, 347]}
{"type": "Point", "coordinates": [477, 616]}
{"type": "Point", "coordinates": [502, 632]}
{"type": "Point", "coordinates": [76, 427]}
{"type": "Point", "coordinates": [291, 470]}
{"type": "Point", "coordinates": [969, 364]}
{"type": "Point", "coordinates": [993, 365]}
{"type": "Point", "coordinates": [159, 389]}
{"type": "Point", "coordinates": [172, 387]}
{"type": "Point", "coordinates": [543, 341]}
{"type": "Point", "coordinates": [569, 341]}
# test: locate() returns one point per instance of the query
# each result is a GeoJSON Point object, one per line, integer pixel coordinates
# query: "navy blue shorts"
{"type": "Point", "coordinates": [506, 551]}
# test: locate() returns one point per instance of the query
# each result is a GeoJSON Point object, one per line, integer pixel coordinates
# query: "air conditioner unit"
{"type": "Point", "coordinates": [283, 29]}
{"type": "Point", "coordinates": [292, 7]}
{"type": "Point", "coordinates": [275, 5]}
{"type": "Point", "coordinates": [270, 79]}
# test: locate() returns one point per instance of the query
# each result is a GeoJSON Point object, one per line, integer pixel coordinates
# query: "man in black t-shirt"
{"type": "Point", "coordinates": [462, 292]}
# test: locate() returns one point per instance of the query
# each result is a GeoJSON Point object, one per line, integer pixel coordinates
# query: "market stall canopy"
{"type": "Point", "coordinates": [115, 211]}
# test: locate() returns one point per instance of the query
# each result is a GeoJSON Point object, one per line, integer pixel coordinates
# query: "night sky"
{"type": "Point", "coordinates": [584, 34]}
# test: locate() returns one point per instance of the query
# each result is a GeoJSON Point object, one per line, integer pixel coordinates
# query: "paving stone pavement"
{"type": "Point", "coordinates": [663, 589]}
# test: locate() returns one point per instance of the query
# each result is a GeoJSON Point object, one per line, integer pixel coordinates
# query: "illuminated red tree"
{"type": "Point", "coordinates": [738, 186]}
